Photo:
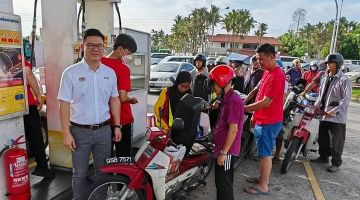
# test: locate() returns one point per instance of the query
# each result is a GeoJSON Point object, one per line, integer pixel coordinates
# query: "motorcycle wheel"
{"type": "Point", "coordinates": [290, 155]}
{"type": "Point", "coordinates": [245, 148]}
{"type": "Point", "coordinates": [108, 187]}
{"type": "Point", "coordinates": [207, 167]}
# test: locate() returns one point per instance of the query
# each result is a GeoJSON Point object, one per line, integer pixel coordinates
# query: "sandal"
{"type": "Point", "coordinates": [275, 160]}
{"type": "Point", "coordinates": [254, 180]}
{"type": "Point", "coordinates": [255, 191]}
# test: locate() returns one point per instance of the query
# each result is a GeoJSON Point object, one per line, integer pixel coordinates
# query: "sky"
{"type": "Point", "coordinates": [145, 15]}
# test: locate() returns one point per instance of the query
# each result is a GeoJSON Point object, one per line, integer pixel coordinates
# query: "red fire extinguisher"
{"type": "Point", "coordinates": [16, 171]}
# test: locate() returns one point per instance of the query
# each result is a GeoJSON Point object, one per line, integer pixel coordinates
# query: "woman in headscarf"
{"type": "Point", "coordinates": [169, 98]}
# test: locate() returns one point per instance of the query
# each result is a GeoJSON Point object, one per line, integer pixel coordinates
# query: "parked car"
{"type": "Point", "coordinates": [354, 75]}
{"type": "Point", "coordinates": [187, 59]}
{"type": "Point", "coordinates": [163, 74]}
{"type": "Point", "coordinates": [157, 57]}
{"type": "Point", "coordinates": [288, 61]}
{"type": "Point", "coordinates": [351, 65]}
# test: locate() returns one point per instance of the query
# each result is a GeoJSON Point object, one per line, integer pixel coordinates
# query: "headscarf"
{"type": "Point", "coordinates": [174, 94]}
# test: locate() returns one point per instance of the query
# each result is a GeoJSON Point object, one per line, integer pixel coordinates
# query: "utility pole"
{"type": "Point", "coordinates": [336, 27]}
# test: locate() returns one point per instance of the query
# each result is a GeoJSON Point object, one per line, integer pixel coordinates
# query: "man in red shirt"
{"type": "Point", "coordinates": [308, 76]}
{"type": "Point", "coordinates": [32, 125]}
{"type": "Point", "coordinates": [268, 115]}
{"type": "Point", "coordinates": [124, 46]}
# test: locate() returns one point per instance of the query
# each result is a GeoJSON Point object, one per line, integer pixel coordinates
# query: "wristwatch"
{"type": "Point", "coordinates": [223, 153]}
{"type": "Point", "coordinates": [117, 126]}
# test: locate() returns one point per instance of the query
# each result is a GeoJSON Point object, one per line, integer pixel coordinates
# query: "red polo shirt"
{"type": "Point", "coordinates": [272, 85]}
{"type": "Point", "coordinates": [122, 72]}
{"type": "Point", "coordinates": [31, 99]}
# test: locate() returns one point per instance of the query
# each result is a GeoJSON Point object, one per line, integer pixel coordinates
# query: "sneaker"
{"type": "Point", "coordinates": [320, 160]}
{"type": "Point", "coordinates": [333, 168]}
{"type": "Point", "coordinates": [44, 172]}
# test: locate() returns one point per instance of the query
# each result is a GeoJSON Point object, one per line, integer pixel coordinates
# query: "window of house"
{"type": "Point", "coordinates": [222, 45]}
{"type": "Point", "coordinates": [234, 45]}
{"type": "Point", "coordinates": [250, 46]}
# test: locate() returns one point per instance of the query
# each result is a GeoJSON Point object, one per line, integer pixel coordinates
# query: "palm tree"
{"type": "Point", "coordinates": [239, 22]}
{"type": "Point", "coordinates": [213, 19]}
{"type": "Point", "coordinates": [261, 31]}
{"type": "Point", "coordinates": [230, 21]}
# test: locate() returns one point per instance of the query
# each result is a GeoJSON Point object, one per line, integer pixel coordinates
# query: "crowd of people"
{"type": "Point", "coordinates": [96, 115]}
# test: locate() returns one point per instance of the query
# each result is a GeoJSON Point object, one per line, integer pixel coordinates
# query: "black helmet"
{"type": "Point", "coordinates": [125, 41]}
{"type": "Point", "coordinates": [200, 57]}
{"type": "Point", "coordinates": [335, 58]}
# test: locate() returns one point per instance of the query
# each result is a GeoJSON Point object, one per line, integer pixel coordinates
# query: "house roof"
{"type": "Point", "coordinates": [243, 39]}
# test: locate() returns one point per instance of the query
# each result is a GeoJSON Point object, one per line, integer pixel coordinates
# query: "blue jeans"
{"type": "Point", "coordinates": [265, 136]}
{"type": "Point", "coordinates": [97, 142]}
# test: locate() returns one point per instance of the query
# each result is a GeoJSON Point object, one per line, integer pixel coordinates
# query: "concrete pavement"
{"type": "Point", "coordinates": [295, 184]}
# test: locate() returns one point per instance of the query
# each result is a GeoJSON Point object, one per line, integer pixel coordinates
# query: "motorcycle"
{"type": "Point", "coordinates": [303, 135]}
{"type": "Point", "coordinates": [155, 172]}
{"type": "Point", "coordinates": [310, 98]}
{"type": "Point", "coordinates": [292, 100]}
{"type": "Point", "coordinates": [246, 138]}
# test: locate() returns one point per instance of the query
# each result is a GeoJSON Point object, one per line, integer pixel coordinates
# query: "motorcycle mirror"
{"type": "Point", "coordinates": [172, 80]}
{"type": "Point", "coordinates": [178, 124]}
{"type": "Point", "coordinates": [334, 104]}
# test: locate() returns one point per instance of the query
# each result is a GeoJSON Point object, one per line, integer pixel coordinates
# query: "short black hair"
{"type": "Point", "coordinates": [93, 32]}
{"type": "Point", "coordinates": [266, 49]}
{"type": "Point", "coordinates": [125, 41]}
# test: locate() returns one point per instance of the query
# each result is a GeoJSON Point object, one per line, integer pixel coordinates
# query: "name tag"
{"type": "Point", "coordinates": [106, 78]}
{"type": "Point", "coordinates": [82, 79]}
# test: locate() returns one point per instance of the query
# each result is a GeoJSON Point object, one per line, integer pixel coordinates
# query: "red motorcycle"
{"type": "Point", "coordinates": [158, 170]}
{"type": "Point", "coordinates": [303, 135]}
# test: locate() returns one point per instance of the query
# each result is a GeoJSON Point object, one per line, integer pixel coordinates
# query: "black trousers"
{"type": "Point", "coordinates": [331, 141]}
{"type": "Point", "coordinates": [123, 148]}
{"type": "Point", "coordinates": [33, 135]}
{"type": "Point", "coordinates": [213, 116]}
{"type": "Point", "coordinates": [224, 180]}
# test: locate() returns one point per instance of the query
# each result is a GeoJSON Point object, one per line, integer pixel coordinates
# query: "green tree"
{"type": "Point", "coordinates": [299, 19]}
{"type": "Point", "coordinates": [261, 31]}
{"type": "Point", "coordinates": [238, 22]}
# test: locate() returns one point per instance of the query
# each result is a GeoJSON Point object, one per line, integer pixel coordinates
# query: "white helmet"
{"type": "Point", "coordinates": [222, 60]}
{"type": "Point", "coordinates": [315, 63]}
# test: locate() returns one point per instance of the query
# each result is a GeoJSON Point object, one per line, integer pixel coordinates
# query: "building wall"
{"type": "Point", "coordinates": [216, 48]}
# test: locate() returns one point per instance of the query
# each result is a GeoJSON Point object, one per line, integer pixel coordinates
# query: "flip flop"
{"type": "Point", "coordinates": [256, 191]}
{"type": "Point", "coordinates": [254, 180]}
{"type": "Point", "coordinates": [276, 160]}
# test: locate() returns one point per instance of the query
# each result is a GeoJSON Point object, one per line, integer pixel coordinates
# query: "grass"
{"type": "Point", "coordinates": [356, 93]}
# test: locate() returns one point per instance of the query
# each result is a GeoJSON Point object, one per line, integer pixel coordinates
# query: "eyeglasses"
{"type": "Point", "coordinates": [127, 51]}
{"type": "Point", "coordinates": [92, 46]}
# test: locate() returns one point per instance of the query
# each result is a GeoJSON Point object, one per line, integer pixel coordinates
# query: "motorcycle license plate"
{"type": "Point", "coordinates": [113, 160]}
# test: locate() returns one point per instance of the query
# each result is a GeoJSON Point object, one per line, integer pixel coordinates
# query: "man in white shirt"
{"type": "Point", "coordinates": [87, 89]}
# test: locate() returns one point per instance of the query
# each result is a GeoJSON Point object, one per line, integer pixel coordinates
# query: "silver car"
{"type": "Point", "coordinates": [164, 74]}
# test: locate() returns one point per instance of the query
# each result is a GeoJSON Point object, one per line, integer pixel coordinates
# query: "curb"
{"type": "Point", "coordinates": [356, 100]}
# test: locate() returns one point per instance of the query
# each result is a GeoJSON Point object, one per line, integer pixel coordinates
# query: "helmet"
{"type": "Point", "coordinates": [222, 75]}
{"type": "Point", "coordinates": [315, 63]}
{"type": "Point", "coordinates": [222, 60]}
{"type": "Point", "coordinates": [335, 58]}
{"type": "Point", "coordinates": [125, 41]}
{"type": "Point", "coordinates": [200, 57]}
{"type": "Point", "coordinates": [253, 59]}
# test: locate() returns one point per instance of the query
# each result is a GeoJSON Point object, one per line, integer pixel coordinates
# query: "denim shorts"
{"type": "Point", "coordinates": [265, 136]}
